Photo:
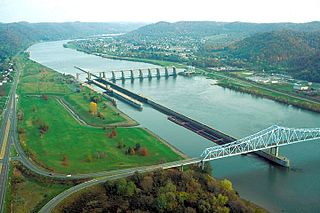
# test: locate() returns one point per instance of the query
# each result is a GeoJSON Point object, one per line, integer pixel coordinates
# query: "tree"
{"type": "Point", "coordinates": [93, 108]}
{"type": "Point", "coordinates": [20, 115]}
{"type": "Point", "coordinates": [144, 151]}
{"type": "Point", "coordinates": [226, 184]}
{"type": "Point", "coordinates": [147, 184]}
{"type": "Point", "coordinates": [138, 146]}
{"type": "Point", "coordinates": [89, 157]}
{"type": "Point", "coordinates": [65, 161]}
{"type": "Point", "coordinates": [45, 97]}
{"type": "Point", "coordinates": [113, 133]}
{"type": "Point", "coordinates": [131, 151]}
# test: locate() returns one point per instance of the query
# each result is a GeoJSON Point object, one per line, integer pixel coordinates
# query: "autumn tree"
{"type": "Point", "coordinates": [130, 151]}
{"type": "Point", "coordinates": [20, 115]}
{"type": "Point", "coordinates": [65, 161]}
{"type": "Point", "coordinates": [45, 97]}
{"type": "Point", "coordinates": [93, 108]}
{"type": "Point", "coordinates": [144, 151]}
{"type": "Point", "coordinates": [113, 133]}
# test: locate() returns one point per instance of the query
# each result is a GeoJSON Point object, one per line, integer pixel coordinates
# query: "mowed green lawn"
{"type": "Point", "coordinates": [36, 79]}
{"type": "Point", "coordinates": [66, 137]}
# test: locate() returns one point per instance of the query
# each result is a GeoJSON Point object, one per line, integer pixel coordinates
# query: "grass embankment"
{"type": "Point", "coordinates": [54, 139]}
{"type": "Point", "coordinates": [251, 88]}
{"type": "Point", "coordinates": [30, 192]}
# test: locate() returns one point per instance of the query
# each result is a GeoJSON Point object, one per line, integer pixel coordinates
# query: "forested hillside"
{"type": "Point", "coordinates": [292, 51]}
{"type": "Point", "coordinates": [208, 28]}
{"type": "Point", "coordinates": [17, 36]}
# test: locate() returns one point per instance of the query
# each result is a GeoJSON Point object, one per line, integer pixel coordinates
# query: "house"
{"type": "Point", "coordinates": [300, 87]}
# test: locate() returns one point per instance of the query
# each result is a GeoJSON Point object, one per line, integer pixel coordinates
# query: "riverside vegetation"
{"type": "Point", "coordinates": [160, 191]}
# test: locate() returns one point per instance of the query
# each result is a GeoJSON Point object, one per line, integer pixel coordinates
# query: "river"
{"type": "Point", "coordinates": [277, 189]}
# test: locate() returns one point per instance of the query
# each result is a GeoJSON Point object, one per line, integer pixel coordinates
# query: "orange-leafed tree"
{"type": "Point", "coordinates": [65, 161]}
{"type": "Point", "coordinates": [93, 108]}
{"type": "Point", "coordinates": [113, 133]}
{"type": "Point", "coordinates": [144, 151]}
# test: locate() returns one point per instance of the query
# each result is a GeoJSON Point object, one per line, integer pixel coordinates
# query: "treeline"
{"type": "Point", "coordinates": [162, 191]}
{"type": "Point", "coordinates": [201, 29]}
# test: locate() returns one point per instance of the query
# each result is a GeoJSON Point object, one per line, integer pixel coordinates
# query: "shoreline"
{"type": "Point", "coordinates": [262, 93]}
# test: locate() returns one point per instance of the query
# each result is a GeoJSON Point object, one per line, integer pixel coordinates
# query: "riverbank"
{"type": "Point", "coordinates": [260, 91]}
{"type": "Point", "coordinates": [229, 82]}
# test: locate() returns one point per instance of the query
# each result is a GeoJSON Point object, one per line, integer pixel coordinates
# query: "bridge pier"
{"type": "Point", "coordinates": [77, 76]}
{"type": "Point", "coordinates": [89, 76]}
{"type": "Point", "coordinates": [113, 78]}
{"type": "Point", "coordinates": [122, 76]}
{"type": "Point", "coordinates": [166, 72]}
{"type": "Point", "coordinates": [140, 74]}
{"type": "Point", "coordinates": [132, 75]}
{"type": "Point", "coordinates": [149, 74]}
{"type": "Point", "coordinates": [158, 72]}
{"type": "Point", "coordinates": [174, 71]}
{"type": "Point", "coordinates": [273, 156]}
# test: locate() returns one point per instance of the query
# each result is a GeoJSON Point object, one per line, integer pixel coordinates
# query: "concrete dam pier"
{"type": "Point", "coordinates": [199, 128]}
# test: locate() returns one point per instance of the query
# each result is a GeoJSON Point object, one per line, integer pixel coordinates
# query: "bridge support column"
{"type": "Point", "coordinates": [77, 76]}
{"type": "Point", "coordinates": [149, 74]}
{"type": "Point", "coordinates": [140, 74]}
{"type": "Point", "coordinates": [122, 76]}
{"type": "Point", "coordinates": [158, 72]}
{"type": "Point", "coordinates": [274, 151]}
{"type": "Point", "coordinates": [166, 72]}
{"type": "Point", "coordinates": [181, 168]}
{"type": "Point", "coordinates": [104, 75]}
{"type": "Point", "coordinates": [113, 78]}
{"type": "Point", "coordinates": [89, 76]}
{"type": "Point", "coordinates": [174, 71]}
{"type": "Point", "coordinates": [132, 75]}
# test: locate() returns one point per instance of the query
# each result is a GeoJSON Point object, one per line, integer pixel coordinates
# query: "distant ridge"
{"type": "Point", "coordinates": [206, 28]}
{"type": "Point", "coordinates": [19, 35]}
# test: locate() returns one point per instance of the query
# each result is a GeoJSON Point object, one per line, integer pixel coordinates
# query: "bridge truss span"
{"type": "Point", "coordinates": [272, 137]}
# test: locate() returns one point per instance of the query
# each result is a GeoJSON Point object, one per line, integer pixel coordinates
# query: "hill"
{"type": "Point", "coordinates": [295, 52]}
{"type": "Point", "coordinates": [17, 36]}
{"type": "Point", "coordinates": [207, 28]}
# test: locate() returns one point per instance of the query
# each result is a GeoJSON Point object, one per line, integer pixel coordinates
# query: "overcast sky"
{"type": "Point", "coordinates": [159, 10]}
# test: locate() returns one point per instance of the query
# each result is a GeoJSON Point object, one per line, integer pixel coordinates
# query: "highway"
{"type": "Point", "coordinates": [5, 142]}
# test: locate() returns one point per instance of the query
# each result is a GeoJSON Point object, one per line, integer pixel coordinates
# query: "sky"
{"type": "Point", "coordinates": [260, 11]}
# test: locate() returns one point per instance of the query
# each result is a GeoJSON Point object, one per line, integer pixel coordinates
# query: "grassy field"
{"type": "Point", "coordinates": [29, 194]}
{"type": "Point", "coordinates": [37, 80]}
{"type": "Point", "coordinates": [54, 139]}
